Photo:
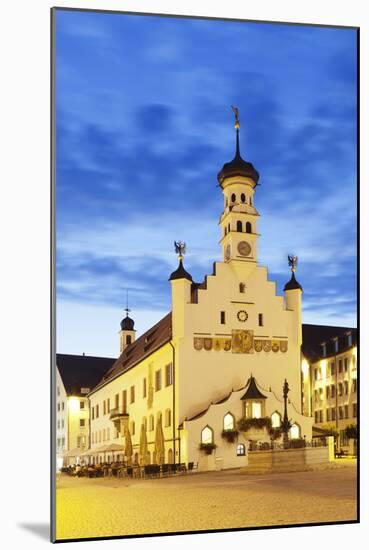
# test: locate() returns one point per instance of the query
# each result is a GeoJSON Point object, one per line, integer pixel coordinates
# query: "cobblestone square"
{"type": "Point", "coordinates": [215, 500]}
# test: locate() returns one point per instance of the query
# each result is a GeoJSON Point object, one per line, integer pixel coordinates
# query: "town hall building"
{"type": "Point", "coordinates": [209, 376]}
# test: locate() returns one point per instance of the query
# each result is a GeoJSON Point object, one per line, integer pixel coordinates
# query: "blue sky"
{"type": "Point", "coordinates": [144, 125]}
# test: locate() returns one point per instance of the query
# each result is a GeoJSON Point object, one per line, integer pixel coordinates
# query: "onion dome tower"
{"type": "Point", "coordinates": [127, 333]}
{"type": "Point", "coordinates": [238, 179]}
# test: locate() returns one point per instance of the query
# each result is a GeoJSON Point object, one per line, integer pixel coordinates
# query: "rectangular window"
{"type": "Point", "coordinates": [316, 417]}
{"type": "Point", "coordinates": [124, 401]}
{"type": "Point", "coordinates": [97, 411]}
{"type": "Point", "coordinates": [340, 365]}
{"type": "Point", "coordinates": [58, 406]}
{"type": "Point", "coordinates": [346, 387]}
{"type": "Point", "coordinates": [82, 422]}
{"type": "Point", "coordinates": [132, 394]}
{"type": "Point", "coordinates": [144, 388]}
{"type": "Point", "coordinates": [354, 383]}
{"type": "Point", "coordinates": [327, 392]}
{"type": "Point", "coordinates": [256, 410]}
{"type": "Point", "coordinates": [316, 396]}
{"type": "Point", "coordinates": [320, 394]}
{"type": "Point", "coordinates": [339, 389]}
{"type": "Point", "coordinates": [315, 374]}
{"type": "Point", "coordinates": [349, 339]}
{"type": "Point", "coordinates": [58, 424]}
{"type": "Point", "coordinates": [62, 423]}
{"type": "Point", "coordinates": [104, 406]}
{"type": "Point", "coordinates": [133, 428]}
{"type": "Point", "coordinates": [261, 321]}
{"type": "Point", "coordinates": [346, 411]}
{"type": "Point", "coordinates": [116, 401]}
{"type": "Point", "coordinates": [340, 413]}
{"type": "Point", "coordinates": [320, 416]}
{"type": "Point", "coordinates": [169, 374]}
{"type": "Point", "coordinates": [333, 415]}
{"type": "Point", "coordinates": [336, 345]}
{"type": "Point", "coordinates": [354, 410]}
{"type": "Point", "coordinates": [93, 413]}
{"type": "Point", "coordinates": [168, 417]}
{"type": "Point", "coordinates": [62, 405]}
{"type": "Point", "coordinates": [158, 380]}
{"type": "Point", "coordinates": [333, 368]}
{"type": "Point", "coordinates": [222, 317]}
{"type": "Point", "coordinates": [108, 403]}
{"type": "Point", "coordinates": [328, 415]}
{"type": "Point", "coordinates": [333, 391]}
{"type": "Point", "coordinates": [345, 363]}
{"type": "Point", "coordinates": [108, 434]}
{"type": "Point", "coordinates": [81, 404]}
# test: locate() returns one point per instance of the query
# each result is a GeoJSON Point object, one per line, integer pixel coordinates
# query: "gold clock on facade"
{"type": "Point", "coordinates": [242, 315]}
{"type": "Point", "coordinates": [244, 248]}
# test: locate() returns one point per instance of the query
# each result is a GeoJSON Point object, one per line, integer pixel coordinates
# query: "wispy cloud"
{"type": "Point", "coordinates": [144, 125]}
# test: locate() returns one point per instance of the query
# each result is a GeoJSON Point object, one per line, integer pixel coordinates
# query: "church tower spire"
{"type": "Point", "coordinates": [238, 180]}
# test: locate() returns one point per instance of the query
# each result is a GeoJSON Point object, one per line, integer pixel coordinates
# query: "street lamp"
{"type": "Point", "coordinates": [286, 425]}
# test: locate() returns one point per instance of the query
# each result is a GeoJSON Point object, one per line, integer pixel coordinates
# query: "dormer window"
{"type": "Point", "coordinates": [324, 349]}
{"type": "Point", "coordinates": [349, 339]}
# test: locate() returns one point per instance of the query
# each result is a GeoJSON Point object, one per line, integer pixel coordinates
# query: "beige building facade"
{"type": "Point", "coordinates": [219, 357]}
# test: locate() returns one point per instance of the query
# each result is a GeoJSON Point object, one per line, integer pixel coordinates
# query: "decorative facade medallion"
{"type": "Point", "coordinates": [283, 346]}
{"type": "Point", "coordinates": [208, 344]}
{"type": "Point", "coordinates": [242, 341]}
{"type": "Point", "coordinates": [227, 344]}
{"type": "Point", "coordinates": [218, 344]}
{"type": "Point", "coordinates": [275, 345]}
{"type": "Point", "coordinates": [258, 345]}
{"type": "Point", "coordinates": [242, 315]}
{"type": "Point", "coordinates": [267, 345]}
{"type": "Point", "coordinates": [244, 248]}
{"type": "Point", "coordinates": [198, 343]}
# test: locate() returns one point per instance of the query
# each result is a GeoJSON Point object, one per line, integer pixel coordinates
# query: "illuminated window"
{"type": "Point", "coordinates": [228, 422]}
{"type": "Point", "coordinates": [241, 450]}
{"type": "Point", "coordinates": [243, 197]}
{"type": "Point", "coordinates": [256, 410]}
{"type": "Point", "coordinates": [295, 431]}
{"type": "Point", "coordinates": [62, 405]}
{"type": "Point", "coordinates": [276, 419]}
{"type": "Point", "coordinates": [207, 435]}
{"type": "Point", "coordinates": [248, 227]}
{"type": "Point", "coordinates": [239, 226]}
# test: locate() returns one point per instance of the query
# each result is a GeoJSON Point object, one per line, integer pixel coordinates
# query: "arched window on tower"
{"type": "Point", "coordinates": [229, 227]}
{"type": "Point", "coordinates": [243, 197]}
{"type": "Point", "coordinates": [239, 226]}
{"type": "Point", "coordinates": [242, 287]}
{"type": "Point", "coordinates": [225, 231]}
{"type": "Point", "coordinates": [248, 227]}
{"type": "Point", "coordinates": [233, 197]}
{"type": "Point", "coordinates": [250, 201]}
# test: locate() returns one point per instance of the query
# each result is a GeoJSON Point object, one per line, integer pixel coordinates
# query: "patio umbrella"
{"type": "Point", "coordinates": [128, 450]}
{"type": "Point", "coordinates": [143, 445]}
{"type": "Point", "coordinates": [159, 442]}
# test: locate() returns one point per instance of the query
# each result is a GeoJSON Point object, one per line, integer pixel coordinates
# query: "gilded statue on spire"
{"type": "Point", "coordinates": [180, 248]}
{"type": "Point", "coordinates": [292, 262]}
{"type": "Point", "coordinates": [237, 121]}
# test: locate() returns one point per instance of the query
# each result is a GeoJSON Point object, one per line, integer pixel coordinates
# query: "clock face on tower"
{"type": "Point", "coordinates": [244, 248]}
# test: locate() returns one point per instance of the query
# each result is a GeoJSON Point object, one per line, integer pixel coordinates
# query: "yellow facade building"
{"type": "Point", "coordinates": [330, 380]}
{"type": "Point", "coordinates": [220, 356]}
